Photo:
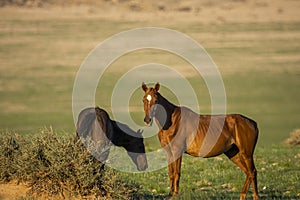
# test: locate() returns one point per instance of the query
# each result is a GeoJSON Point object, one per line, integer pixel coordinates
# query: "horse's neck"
{"type": "Point", "coordinates": [118, 135]}
{"type": "Point", "coordinates": [164, 120]}
{"type": "Point", "coordinates": [120, 138]}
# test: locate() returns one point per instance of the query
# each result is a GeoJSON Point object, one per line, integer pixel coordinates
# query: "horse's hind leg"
{"type": "Point", "coordinates": [246, 163]}
{"type": "Point", "coordinates": [235, 156]}
{"type": "Point", "coordinates": [252, 174]}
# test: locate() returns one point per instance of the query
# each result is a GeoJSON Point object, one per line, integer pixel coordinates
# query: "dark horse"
{"type": "Point", "coordinates": [94, 124]}
{"type": "Point", "coordinates": [183, 131]}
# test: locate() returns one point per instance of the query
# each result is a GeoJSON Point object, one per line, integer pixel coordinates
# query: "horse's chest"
{"type": "Point", "coordinates": [165, 137]}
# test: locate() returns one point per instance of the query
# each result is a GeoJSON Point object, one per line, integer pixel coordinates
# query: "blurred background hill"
{"type": "Point", "coordinates": [203, 10]}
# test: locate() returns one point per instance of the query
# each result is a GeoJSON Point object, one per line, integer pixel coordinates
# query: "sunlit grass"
{"type": "Point", "coordinates": [219, 178]}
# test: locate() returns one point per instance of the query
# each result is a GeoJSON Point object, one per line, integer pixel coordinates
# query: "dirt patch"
{"type": "Point", "coordinates": [12, 190]}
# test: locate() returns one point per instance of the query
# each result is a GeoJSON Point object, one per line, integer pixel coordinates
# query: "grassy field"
{"type": "Point", "coordinates": [256, 47]}
{"type": "Point", "coordinates": [218, 178]}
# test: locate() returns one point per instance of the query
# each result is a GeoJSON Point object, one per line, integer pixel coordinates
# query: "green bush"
{"type": "Point", "coordinates": [52, 165]}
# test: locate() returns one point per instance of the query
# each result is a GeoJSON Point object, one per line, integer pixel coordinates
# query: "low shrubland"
{"type": "Point", "coordinates": [60, 166]}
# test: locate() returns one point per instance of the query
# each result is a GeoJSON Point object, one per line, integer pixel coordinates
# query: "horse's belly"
{"type": "Point", "coordinates": [206, 150]}
{"type": "Point", "coordinates": [193, 149]}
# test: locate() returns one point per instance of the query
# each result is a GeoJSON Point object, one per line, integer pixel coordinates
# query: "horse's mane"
{"type": "Point", "coordinates": [169, 108]}
{"type": "Point", "coordinates": [121, 128]}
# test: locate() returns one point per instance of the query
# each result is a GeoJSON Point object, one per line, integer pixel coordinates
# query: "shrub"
{"type": "Point", "coordinates": [294, 138]}
{"type": "Point", "coordinates": [52, 165]}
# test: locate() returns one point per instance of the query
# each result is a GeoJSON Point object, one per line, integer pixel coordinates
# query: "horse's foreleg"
{"type": "Point", "coordinates": [171, 176]}
{"type": "Point", "coordinates": [174, 158]}
{"type": "Point", "coordinates": [171, 168]}
{"type": "Point", "coordinates": [177, 166]}
{"type": "Point", "coordinates": [174, 174]}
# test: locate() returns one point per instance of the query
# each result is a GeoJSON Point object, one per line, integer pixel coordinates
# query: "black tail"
{"type": "Point", "coordinates": [85, 120]}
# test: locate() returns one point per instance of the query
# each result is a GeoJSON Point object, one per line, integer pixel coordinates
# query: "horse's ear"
{"type": "Point", "coordinates": [140, 132]}
{"type": "Point", "coordinates": [157, 87]}
{"type": "Point", "coordinates": [144, 86]}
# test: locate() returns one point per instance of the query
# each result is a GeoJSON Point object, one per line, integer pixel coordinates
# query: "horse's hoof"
{"type": "Point", "coordinates": [255, 197]}
{"type": "Point", "coordinates": [243, 196]}
{"type": "Point", "coordinates": [171, 195]}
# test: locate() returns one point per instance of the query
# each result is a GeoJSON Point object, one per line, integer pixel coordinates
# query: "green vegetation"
{"type": "Point", "coordinates": [219, 178]}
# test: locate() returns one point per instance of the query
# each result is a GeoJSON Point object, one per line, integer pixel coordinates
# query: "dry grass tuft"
{"type": "Point", "coordinates": [57, 166]}
{"type": "Point", "coordinates": [294, 138]}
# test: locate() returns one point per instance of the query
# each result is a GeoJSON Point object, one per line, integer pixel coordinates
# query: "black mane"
{"type": "Point", "coordinates": [169, 108]}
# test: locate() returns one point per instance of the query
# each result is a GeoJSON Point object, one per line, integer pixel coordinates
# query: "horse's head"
{"type": "Point", "coordinates": [136, 150]}
{"type": "Point", "coordinates": [150, 101]}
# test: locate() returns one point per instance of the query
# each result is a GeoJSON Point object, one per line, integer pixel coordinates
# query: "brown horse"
{"type": "Point", "coordinates": [183, 131]}
{"type": "Point", "coordinates": [94, 125]}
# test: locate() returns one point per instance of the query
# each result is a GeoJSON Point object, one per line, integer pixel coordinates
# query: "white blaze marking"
{"type": "Point", "coordinates": [149, 97]}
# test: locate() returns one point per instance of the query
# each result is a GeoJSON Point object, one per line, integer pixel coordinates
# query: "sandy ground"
{"type": "Point", "coordinates": [12, 191]}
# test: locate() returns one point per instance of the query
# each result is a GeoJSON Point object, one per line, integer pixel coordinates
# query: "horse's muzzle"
{"type": "Point", "coordinates": [142, 163]}
{"type": "Point", "coordinates": [148, 121]}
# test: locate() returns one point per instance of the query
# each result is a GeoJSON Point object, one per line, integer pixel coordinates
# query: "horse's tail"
{"type": "Point", "coordinates": [105, 122]}
{"type": "Point", "coordinates": [94, 127]}
{"type": "Point", "coordinates": [254, 125]}
{"type": "Point", "coordinates": [85, 120]}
